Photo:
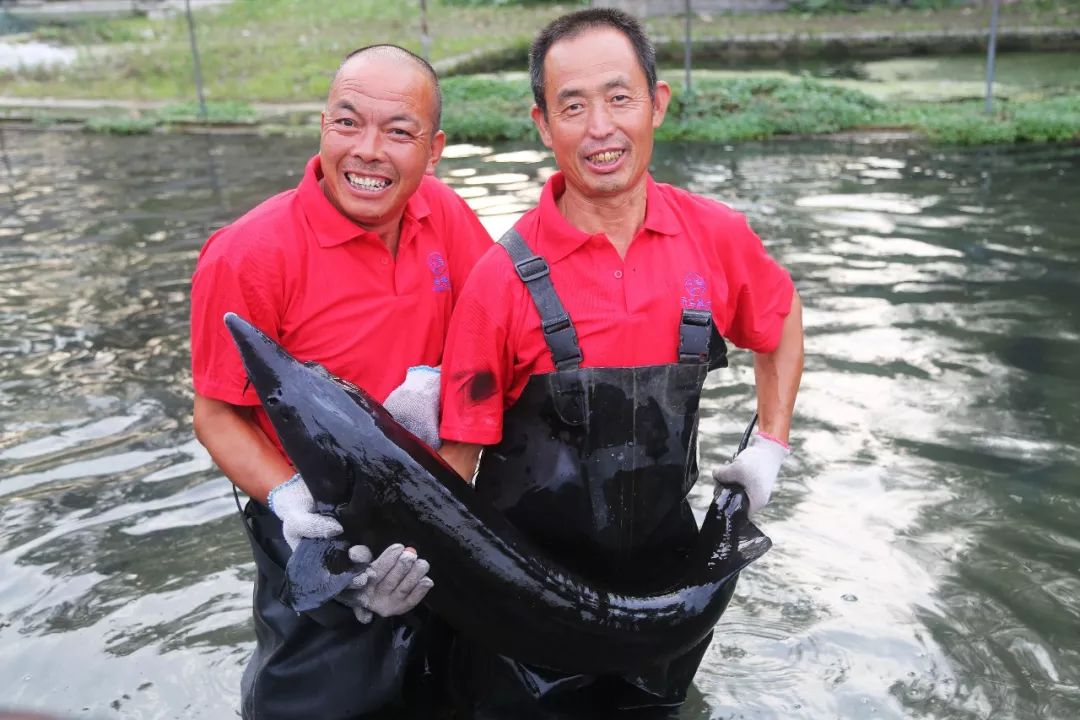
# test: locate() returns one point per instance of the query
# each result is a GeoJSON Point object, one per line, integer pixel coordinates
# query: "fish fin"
{"type": "Point", "coordinates": [317, 571]}
{"type": "Point", "coordinates": [744, 541]}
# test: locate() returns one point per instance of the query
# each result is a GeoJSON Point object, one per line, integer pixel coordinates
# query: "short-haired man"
{"type": "Point", "coordinates": [357, 269]}
{"type": "Point", "coordinates": [578, 350]}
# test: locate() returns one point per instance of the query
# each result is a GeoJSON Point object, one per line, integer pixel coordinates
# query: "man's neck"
{"type": "Point", "coordinates": [389, 233]}
{"type": "Point", "coordinates": [618, 217]}
{"type": "Point", "coordinates": [390, 237]}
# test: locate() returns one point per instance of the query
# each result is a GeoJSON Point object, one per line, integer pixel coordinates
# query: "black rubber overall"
{"type": "Point", "coordinates": [594, 465]}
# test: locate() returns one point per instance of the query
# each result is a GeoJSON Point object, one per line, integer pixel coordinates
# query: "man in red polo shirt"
{"type": "Point", "coordinates": [578, 349]}
{"type": "Point", "coordinates": [357, 269]}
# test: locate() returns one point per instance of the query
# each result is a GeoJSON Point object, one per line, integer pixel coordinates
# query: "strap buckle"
{"type": "Point", "coordinates": [532, 268]}
{"type": "Point", "coordinates": [557, 324]}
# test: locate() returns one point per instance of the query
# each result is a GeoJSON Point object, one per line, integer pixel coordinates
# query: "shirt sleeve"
{"type": "Point", "coordinates": [231, 276]}
{"type": "Point", "coordinates": [759, 290]}
{"type": "Point", "coordinates": [477, 368]}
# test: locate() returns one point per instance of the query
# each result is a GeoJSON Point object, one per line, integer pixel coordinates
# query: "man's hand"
{"type": "Point", "coordinates": [415, 403]}
{"type": "Point", "coordinates": [392, 585]}
{"type": "Point", "coordinates": [755, 469]}
{"type": "Point", "coordinates": [291, 501]}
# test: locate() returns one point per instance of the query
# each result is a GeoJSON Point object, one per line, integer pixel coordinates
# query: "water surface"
{"type": "Point", "coordinates": [927, 552]}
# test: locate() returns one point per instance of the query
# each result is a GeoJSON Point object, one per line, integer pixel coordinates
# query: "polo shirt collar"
{"type": "Point", "coordinates": [560, 238]}
{"type": "Point", "coordinates": [331, 227]}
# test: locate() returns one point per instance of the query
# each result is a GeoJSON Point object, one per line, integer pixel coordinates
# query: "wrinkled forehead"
{"type": "Point", "coordinates": [600, 56]}
{"type": "Point", "coordinates": [380, 82]}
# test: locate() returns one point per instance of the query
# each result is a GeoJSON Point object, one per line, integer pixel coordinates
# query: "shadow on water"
{"type": "Point", "coordinates": [926, 549]}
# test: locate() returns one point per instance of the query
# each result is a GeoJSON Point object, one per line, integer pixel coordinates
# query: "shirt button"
{"type": "Point", "coordinates": [385, 261]}
{"type": "Point", "coordinates": [618, 274]}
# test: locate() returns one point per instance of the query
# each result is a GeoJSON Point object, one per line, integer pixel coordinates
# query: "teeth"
{"type": "Point", "coordinates": [363, 182]}
{"type": "Point", "coordinates": [606, 157]}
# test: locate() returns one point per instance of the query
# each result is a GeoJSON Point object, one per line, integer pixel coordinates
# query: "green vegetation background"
{"type": "Point", "coordinates": [277, 51]}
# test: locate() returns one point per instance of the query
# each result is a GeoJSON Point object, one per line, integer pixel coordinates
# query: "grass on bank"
{"type": "Point", "coordinates": [117, 122]}
{"type": "Point", "coordinates": [285, 50]}
{"type": "Point", "coordinates": [261, 50]}
{"type": "Point", "coordinates": [486, 108]}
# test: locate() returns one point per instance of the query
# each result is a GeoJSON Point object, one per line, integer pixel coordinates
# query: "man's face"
{"type": "Point", "coordinates": [600, 118]}
{"type": "Point", "coordinates": [378, 139]}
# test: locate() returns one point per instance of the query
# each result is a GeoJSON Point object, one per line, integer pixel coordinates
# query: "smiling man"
{"type": "Point", "coordinates": [357, 268]}
{"type": "Point", "coordinates": [577, 352]}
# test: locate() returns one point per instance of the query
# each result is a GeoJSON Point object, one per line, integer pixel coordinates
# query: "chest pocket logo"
{"type": "Point", "coordinates": [697, 293]}
{"type": "Point", "coordinates": [440, 278]}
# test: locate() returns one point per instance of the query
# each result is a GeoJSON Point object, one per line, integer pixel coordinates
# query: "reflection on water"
{"type": "Point", "coordinates": [927, 551]}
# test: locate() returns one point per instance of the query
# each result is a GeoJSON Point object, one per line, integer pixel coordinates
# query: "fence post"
{"type": "Point", "coordinates": [425, 38]}
{"type": "Point", "coordinates": [991, 54]}
{"type": "Point", "coordinates": [195, 60]}
{"type": "Point", "coordinates": [686, 50]}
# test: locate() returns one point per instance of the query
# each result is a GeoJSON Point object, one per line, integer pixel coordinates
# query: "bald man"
{"type": "Point", "coordinates": [357, 269]}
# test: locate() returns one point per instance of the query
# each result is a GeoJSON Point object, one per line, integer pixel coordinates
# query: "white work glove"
{"type": "Point", "coordinates": [291, 501]}
{"type": "Point", "coordinates": [754, 469]}
{"type": "Point", "coordinates": [392, 585]}
{"type": "Point", "coordinates": [415, 403]}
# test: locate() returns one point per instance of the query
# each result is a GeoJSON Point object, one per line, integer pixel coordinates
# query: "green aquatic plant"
{"type": "Point", "coordinates": [121, 124]}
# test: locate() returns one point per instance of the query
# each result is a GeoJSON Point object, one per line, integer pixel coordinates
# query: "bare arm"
{"type": "Point", "coordinates": [777, 375]}
{"type": "Point", "coordinates": [239, 447]}
{"type": "Point", "coordinates": [462, 457]}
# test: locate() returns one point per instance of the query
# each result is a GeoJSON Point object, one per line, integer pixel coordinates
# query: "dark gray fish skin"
{"type": "Point", "coordinates": [384, 485]}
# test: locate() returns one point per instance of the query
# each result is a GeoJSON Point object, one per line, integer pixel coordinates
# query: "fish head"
{"type": "Point", "coordinates": [315, 418]}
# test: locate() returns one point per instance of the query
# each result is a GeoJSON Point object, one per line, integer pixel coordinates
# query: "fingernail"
{"type": "Point", "coordinates": [427, 582]}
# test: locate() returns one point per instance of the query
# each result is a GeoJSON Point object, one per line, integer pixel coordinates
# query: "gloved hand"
{"type": "Point", "coordinates": [754, 469]}
{"type": "Point", "coordinates": [392, 585]}
{"type": "Point", "coordinates": [291, 501]}
{"type": "Point", "coordinates": [415, 404]}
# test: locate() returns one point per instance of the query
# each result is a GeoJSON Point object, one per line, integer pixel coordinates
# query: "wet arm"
{"type": "Point", "coordinates": [462, 457]}
{"type": "Point", "coordinates": [777, 375]}
{"type": "Point", "coordinates": [239, 447]}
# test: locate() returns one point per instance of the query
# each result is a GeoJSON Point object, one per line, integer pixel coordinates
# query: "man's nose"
{"type": "Point", "coordinates": [367, 144]}
{"type": "Point", "coordinates": [600, 122]}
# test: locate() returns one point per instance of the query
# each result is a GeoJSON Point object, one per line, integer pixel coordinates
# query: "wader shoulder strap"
{"type": "Point", "coordinates": [700, 341]}
{"type": "Point", "coordinates": [695, 332]}
{"type": "Point", "coordinates": [558, 330]}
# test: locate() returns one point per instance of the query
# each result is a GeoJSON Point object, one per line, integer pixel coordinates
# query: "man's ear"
{"type": "Point", "coordinates": [541, 125]}
{"type": "Point", "coordinates": [322, 121]}
{"type": "Point", "coordinates": [438, 142]}
{"type": "Point", "coordinates": [660, 103]}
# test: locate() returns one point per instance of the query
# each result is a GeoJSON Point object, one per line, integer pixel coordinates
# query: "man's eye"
{"type": "Point", "coordinates": [621, 98]}
{"type": "Point", "coordinates": [574, 107]}
{"type": "Point", "coordinates": [346, 122]}
{"type": "Point", "coordinates": [399, 132]}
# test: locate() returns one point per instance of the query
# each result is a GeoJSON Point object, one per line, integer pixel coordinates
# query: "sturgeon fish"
{"type": "Point", "coordinates": [491, 583]}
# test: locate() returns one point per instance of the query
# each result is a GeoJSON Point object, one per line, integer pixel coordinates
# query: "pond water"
{"type": "Point", "coordinates": [927, 547]}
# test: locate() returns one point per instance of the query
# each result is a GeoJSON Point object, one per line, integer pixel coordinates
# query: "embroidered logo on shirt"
{"type": "Point", "coordinates": [440, 279]}
{"type": "Point", "coordinates": [697, 296]}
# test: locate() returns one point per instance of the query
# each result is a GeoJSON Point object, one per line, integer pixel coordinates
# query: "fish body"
{"type": "Point", "coordinates": [491, 583]}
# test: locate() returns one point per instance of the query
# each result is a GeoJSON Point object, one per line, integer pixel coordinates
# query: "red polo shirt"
{"type": "Point", "coordinates": [329, 291]}
{"type": "Point", "coordinates": [691, 252]}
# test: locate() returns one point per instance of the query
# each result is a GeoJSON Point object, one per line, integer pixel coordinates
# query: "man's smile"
{"type": "Point", "coordinates": [367, 183]}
